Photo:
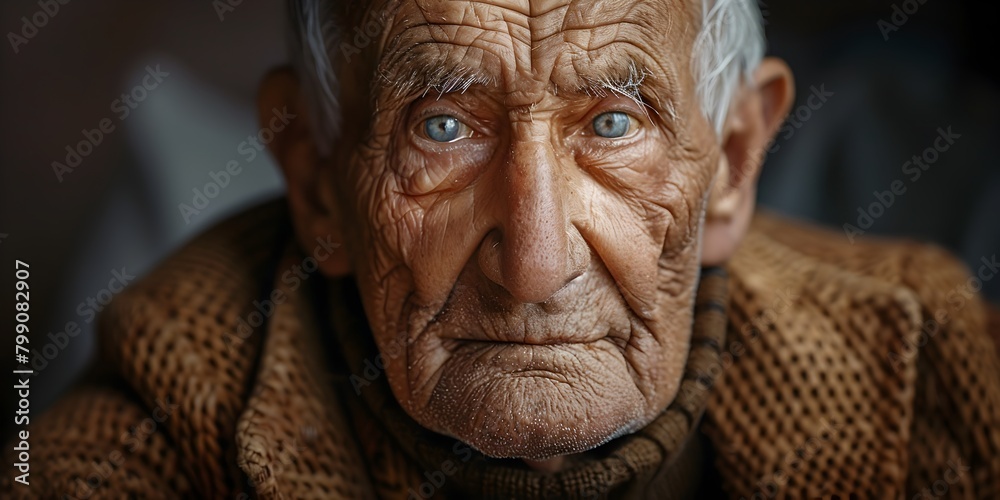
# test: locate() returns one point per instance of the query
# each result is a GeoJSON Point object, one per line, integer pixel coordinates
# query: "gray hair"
{"type": "Point", "coordinates": [728, 49]}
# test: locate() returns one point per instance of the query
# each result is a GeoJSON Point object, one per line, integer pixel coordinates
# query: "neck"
{"type": "Point", "coordinates": [554, 464]}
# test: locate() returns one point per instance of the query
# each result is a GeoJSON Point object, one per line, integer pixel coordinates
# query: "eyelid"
{"type": "Point", "coordinates": [431, 106]}
{"type": "Point", "coordinates": [471, 128]}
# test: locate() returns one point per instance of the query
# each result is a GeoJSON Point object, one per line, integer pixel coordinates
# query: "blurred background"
{"type": "Point", "coordinates": [142, 103]}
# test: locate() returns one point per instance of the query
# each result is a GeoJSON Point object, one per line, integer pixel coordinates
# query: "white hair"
{"type": "Point", "coordinates": [728, 49]}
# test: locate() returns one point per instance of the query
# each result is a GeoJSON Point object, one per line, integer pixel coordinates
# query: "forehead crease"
{"type": "Point", "coordinates": [556, 42]}
{"type": "Point", "coordinates": [590, 26]}
{"type": "Point", "coordinates": [615, 45]}
{"type": "Point", "coordinates": [505, 29]}
{"type": "Point", "coordinates": [605, 46]}
{"type": "Point", "coordinates": [425, 54]}
{"type": "Point", "coordinates": [544, 18]}
{"type": "Point", "coordinates": [476, 13]}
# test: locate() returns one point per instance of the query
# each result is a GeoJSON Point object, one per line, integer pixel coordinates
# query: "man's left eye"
{"type": "Point", "coordinates": [446, 128]}
{"type": "Point", "coordinates": [612, 125]}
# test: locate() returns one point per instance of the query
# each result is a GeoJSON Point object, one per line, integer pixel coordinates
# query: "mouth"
{"type": "Point", "coordinates": [513, 338]}
{"type": "Point", "coordinates": [548, 358]}
{"type": "Point", "coordinates": [534, 338]}
{"type": "Point", "coordinates": [519, 359]}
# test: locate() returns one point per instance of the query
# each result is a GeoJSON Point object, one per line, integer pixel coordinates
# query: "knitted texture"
{"type": "Point", "coordinates": [862, 368]}
{"type": "Point", "coordinates": [865, 367]}
{"type": "Point", "coordinates": [295, 441]}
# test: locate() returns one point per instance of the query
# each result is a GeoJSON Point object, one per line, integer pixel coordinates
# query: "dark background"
{"type": "Point", "coordinates": [119, 209]}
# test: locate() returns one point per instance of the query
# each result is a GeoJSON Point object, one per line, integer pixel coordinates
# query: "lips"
{"type": "Point", "coordinates": [550, 360]}
{"type": "Point", "coordinates": [545, 340]}
{"type": "Point", "coordinates": [525, 337]}
{"type": "Point", "coordinates": [528, 324]}
{"type": "Point", "coordinates": [572, 323]}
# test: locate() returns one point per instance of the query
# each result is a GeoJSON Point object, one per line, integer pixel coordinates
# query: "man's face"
{"type": "Point", "coordinates": [524, 213]}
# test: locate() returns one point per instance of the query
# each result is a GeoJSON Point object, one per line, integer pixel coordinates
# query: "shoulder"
{"type": "Point", "coordinates": [180, 334]}
{"type": "Point", "coordinates": [171, 333]}
{"type": "Point", "coordinates": [197, 291]}
{"type": "Point", "coordinates": [174, 340]}
{"type": "Point", "coordinates": [832, 344]}
{"type": "Point", "coordinates": [919, 266]}
{"type": "Point", "coordinates": [97, 442]}
{"type": "Point", "coordinates": [944, 289]}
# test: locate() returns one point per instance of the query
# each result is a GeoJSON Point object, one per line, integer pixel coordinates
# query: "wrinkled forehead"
{"type": "Point", "coordinates": [524, 46]}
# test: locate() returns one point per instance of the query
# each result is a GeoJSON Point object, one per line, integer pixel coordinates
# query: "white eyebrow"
{"type": "Point", "coordinates": [628, 83]}
{"type": "Point", "coordinates": [416, 71]}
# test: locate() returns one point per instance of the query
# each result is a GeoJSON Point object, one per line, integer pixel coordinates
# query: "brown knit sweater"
{"type": "Point", "coordinates": [820, 367]}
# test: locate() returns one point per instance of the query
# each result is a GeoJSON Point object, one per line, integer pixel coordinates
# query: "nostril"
{"type": "Point", "coordinates": [532, 278]}
{"type": "Point", "coordinates": [566, 285]}
{"type": "Point", "coordinates": [533, 271]}
{"type": "Point", "coordinates": [573, 278]}
{"type": "Point", "coordinates": [489, 256]}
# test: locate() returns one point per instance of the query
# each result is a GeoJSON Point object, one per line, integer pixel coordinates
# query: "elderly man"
{"type": "Point", "coordinates": [518, 259]}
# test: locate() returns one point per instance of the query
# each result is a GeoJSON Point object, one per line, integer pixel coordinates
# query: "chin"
{"type": "Point", "coordinates": [536, 401]}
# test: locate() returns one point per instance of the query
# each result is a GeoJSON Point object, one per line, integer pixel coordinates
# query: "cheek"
{"type": "Point", "coordinates": [652, 196]}
{"type": "Point", "coordinates": [656, 182]}
{"type": "Point", "coordinates": [425, 166]}
{"type": "Point", "coordinates": [448, 168]}
{"type": "Point", "coordinates": [383, 227]}
{"type": "Point", "coordinates": [406, 249]}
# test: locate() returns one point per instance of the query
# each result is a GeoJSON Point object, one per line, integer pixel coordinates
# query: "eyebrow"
{"type": "Point", "coordinates": [421, 69]}
{"type": "Point", "coordinates": [628, 77]}
{"type": "Point", "coordinates": [624, 79]}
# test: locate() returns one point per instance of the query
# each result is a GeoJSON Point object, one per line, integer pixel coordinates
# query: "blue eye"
{"type": "Point", "coordinates": [443, 128]}
{"type": "Point", "coordinates": [613, 124]}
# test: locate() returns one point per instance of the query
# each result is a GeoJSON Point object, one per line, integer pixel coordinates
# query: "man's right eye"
{"type": "Point", "coordinates": [446, 128]}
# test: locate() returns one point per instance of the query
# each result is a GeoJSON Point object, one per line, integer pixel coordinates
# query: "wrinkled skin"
{"type": "Point", "coordinates": [540, 275]}
{"type": "Point", "coordinates": [530, 283]}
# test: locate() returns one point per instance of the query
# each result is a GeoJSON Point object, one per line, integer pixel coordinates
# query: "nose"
{"type": "Point", "coordinates": [535, 250]}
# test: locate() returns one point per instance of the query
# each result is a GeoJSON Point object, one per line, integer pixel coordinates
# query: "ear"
{"type": "Point", "coordinates": [308, 178]}
{"type": "Point", "coordinates": [756, 113]}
